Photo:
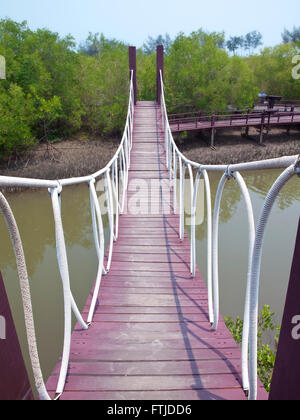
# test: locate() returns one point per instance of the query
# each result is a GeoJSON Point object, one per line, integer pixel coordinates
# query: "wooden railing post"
{"type": "Point", "coordinates": [160, 68]}
{"type": "Point", "coordinates": [248, 113]}
{"type": "Point", "coordinates": [293, 113]}
{"type": "Point", "coordinates": [132, 66]}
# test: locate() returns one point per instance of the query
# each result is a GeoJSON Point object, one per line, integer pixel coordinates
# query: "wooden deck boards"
{"type": "Point", "coordinates": [151, 338]}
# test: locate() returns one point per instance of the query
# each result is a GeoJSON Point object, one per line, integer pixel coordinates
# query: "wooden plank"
{"type": "Point", "coordinates": [148, 318]}
{"type": "Point", "coordinates": [190, 395]}
{"type": "Point", "coordinates": [109, 288]}
{"type": "Point", "coordinates": [131, 344]}
{"type": "Point", "coordinates": [152, 354]}
{"type": "Point", "coordinates": [183, 311]}
{"type": "Point", "coordinates": [148, 383]}
{"type": "Point", "coordinates": [156, 258]}
{"type": "Point", "coordinates": [167, 368]}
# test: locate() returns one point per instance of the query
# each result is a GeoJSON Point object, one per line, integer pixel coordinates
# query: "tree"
{"type": "Point", "coordinates": [234, 43]}
{"type": "Point", "coordinates": [150, 45]}
{"type": "Point", "coordinates": [16, 120]}
{"type": "Point", "coordinates": [202, 76]}
{"type": "Point", "coordinates": [252, 41]}
{"type": "Point", "coordinates": [273, 71]}
{"type": "Point", "coordinates": [291, 36]}
{"type": "Point", "coordinates": [103, 86]}
{"type": "Point", "coordinates": [95, 44]}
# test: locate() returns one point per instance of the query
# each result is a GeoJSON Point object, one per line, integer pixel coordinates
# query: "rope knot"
{"type": "Point", "coordinates": [228, 172]}
{"type": "Point", "coordinates": [92, 181]}
{"type": "Point", "coordinates": [200, 170]}
{"type": "Point", "coordinates": [58, 188]}
{"type": "Point", "coordinates": [297, 166]}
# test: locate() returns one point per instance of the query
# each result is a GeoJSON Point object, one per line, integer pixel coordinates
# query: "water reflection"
{"type": "Point", "coordinates": [233, 241]}
{"type": "Point", "coordinates": [260, 183]}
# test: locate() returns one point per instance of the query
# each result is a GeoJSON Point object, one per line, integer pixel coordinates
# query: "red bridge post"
{"type": "Point", "coordinates": [160, 67]}
{"type": "Point", "coordinates": [14, 382]}
{"type": "Point", "coordinates": [132, 66]}
{"type": "Point", "coordinates": [286, 376]}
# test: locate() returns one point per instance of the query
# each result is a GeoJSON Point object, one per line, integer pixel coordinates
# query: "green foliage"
{"type": "Point", "coordinates": [16, 116]}
{"type": "Point", "coordinates": [236, 328]}
{"type": "Point", "coordinates": [52, 90]}
{"type": "Point", "coordinates": [273, 71]}
{"type": "Point", "coordinates": [104, 84]}
{"type": "Point", "coordinates": [56, 90]}
{"type": "Point", "coordinates": [252, 41]}
{"type": "Point", "coordinates": [201, 76]}
{"type": "Point", "coordinates": [146, 76]}
{"type": "Point", "coordinates": [150, 45]}
{"type": "Point", "coordinates": [265, 355]}
{"type": "Point", "coordinates": [97, 43]}
{"type": "Point", "coordinates": [234, 43]}
{"type": "Point", "coordinates": [291, 36]}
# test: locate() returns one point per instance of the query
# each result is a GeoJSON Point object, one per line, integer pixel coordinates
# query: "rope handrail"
{"type": "Point", "coordinates": [115, 176]}
{"type": "Point", "coordinates": [292, 167]}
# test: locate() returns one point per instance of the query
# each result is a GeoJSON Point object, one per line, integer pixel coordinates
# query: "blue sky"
{"type": "Point", "coordinates": [133, 20]}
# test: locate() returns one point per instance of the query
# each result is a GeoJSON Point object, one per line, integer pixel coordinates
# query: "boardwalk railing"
{"type": "Point", "coordinates": [177, 161]}
{"type": "Point", "coordinates": [257, 107]}
{"type": "Point", "coordinates": [264, 118]}
{"type": "Point", "coordinates": [115, 176]}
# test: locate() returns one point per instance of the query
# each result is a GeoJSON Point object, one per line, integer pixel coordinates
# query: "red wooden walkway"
{"type": "Point", "coordinates": [151, 338]}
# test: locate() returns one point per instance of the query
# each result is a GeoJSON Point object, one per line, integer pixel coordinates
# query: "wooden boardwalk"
{"type": "Point", "coordinates": [234, 121]}
{"type": "Point", "coordinates": [151, 338]}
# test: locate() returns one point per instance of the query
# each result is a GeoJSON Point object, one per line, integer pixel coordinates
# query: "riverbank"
{"type": "Point", "coordinates": [83, 154]}
{"type": "Point", "coordinates": [78, 156]}
{"type": "Point", "coordinates": [231, 147]}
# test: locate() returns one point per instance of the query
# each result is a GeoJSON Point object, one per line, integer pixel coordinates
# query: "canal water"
{"type": "Point", "coordinates": [33, 213]}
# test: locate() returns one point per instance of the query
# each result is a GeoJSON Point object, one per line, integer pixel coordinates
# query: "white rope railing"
{"type": "Point", "coordinates": [175, 157]}
{"type": "Point", "coordinates": [115, 176]}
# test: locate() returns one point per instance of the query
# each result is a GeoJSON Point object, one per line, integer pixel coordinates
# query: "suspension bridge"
{"type": "Point", "coordinates": [151, 328]}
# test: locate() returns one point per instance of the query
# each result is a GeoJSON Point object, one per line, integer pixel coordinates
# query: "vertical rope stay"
{"type": "Point", "coordinates": [193, 222]}
{"type": "Point", "coordinates": [215, 251]}
{"type": "Point", "coordinates": [209, 247]}
{"type": "Point", "coordinates": [64, 271]}
{"type": "Point", "coordinates": [193, 216]}
{"type": "Point", "coordinates": [182, 192]}
{"type": "Point", "coordinates": [99, 243]}
{"type": "Point", "coordinates": [60, 259]}
{"type": "Point", "coordinates": [109, 201]}
{"type": "Point", "coordinates": [246, 326]}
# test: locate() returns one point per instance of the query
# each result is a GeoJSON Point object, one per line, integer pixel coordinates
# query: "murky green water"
{"type": "Point", "coordinates": [33, 213]}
